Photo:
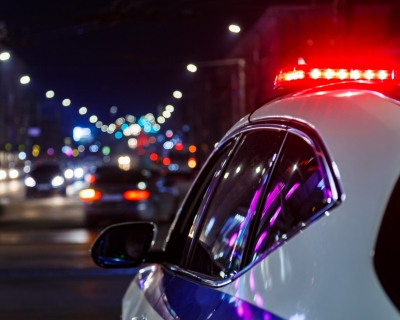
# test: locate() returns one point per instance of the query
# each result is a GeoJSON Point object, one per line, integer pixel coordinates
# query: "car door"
{"type": "Point", "coordinates": [219, 230]}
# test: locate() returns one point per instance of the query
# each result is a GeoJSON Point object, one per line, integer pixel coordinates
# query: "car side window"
{"type": "Point", "coordinates": [298, 193]}
{"type": "Point", "coordinates": [228, 211]}
{"type": "Point", "coordinates": [179, 239]}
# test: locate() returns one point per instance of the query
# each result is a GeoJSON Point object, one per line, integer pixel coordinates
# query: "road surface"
{"type": "Point", "coordinates": [45, 268]}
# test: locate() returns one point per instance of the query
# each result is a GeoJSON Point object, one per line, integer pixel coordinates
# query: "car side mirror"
{"type": "Point", "coordinates": [123, 245]}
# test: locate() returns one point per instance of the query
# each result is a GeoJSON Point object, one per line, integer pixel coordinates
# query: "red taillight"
{"type": "Point", "coordinates": [90, 178]}
{"type": "Point", "coordinates": [303, 73]}
{"type": "Point", "coordinates": [89, 195]}
{"type": "Point", "coordinates": [136, 195]}
{"type": "Point", "coordinates": [153, 157]}
{"type": "Point", "coordinates": [179, 146]}
{"type": "Point", "coordinates": [166, 161]}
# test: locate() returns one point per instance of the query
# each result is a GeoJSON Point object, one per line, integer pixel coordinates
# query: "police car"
{"type": "Point", "coordinates": [295, 215]}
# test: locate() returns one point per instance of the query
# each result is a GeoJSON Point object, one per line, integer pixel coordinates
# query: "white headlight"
{"type": "Point", "coordinates": [68, 174]}
{"type": "Point", "coordinates": [57, 181]}
{"type": "Point", "coordinates": [30, 182]}
{"type": "Point", "coordinates": [3, 174]}
{"type": "Point", "coordinates": [78, 172]}
{"type": "Point", "coordinates": [13, 173]}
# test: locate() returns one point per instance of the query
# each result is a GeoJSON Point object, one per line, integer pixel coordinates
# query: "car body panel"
{"type": "Point", "coordinates": [203, 300]}
{"type": "Point", "coordinates": [292, 279]}
{"type": "Point", "coordinates": [326, 271]}
{"type": "Point", "coordinates": [144, 292]}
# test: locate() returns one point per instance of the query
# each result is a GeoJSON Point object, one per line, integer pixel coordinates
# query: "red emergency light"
{"type": "Point", "coordinates": [304, 74]}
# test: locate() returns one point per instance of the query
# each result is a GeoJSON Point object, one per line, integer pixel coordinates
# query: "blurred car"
{"type": "Point", "coordinates": [45, 179]}
{"type": "Point", "coordinates": [116, 195]}
{"type": "Point", "coordinates": [266, 231]}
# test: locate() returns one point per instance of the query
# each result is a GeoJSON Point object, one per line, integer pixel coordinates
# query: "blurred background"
{"type": "Point", "coordinates": [109, 108]}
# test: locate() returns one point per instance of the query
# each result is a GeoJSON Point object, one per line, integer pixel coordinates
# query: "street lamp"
{"type": "Point", "coordinates": [4, 56]}
{"type": "Point", "coordinates": [169, 108]}
{"type": "Point", "coordinates": [66, 102]}
{"type": "Point", "coordinates": [177, 94]}
{"type": "Point", "coordinates": [234, 28]}
{"type": "Point", "coordinates": [50, 94]}
{"type": "Point", "coordinates": [25, 80]}
{"type": "Point", "coordinates": [191, 67]}
{"type": "Point", "coordinates": [241, 63]}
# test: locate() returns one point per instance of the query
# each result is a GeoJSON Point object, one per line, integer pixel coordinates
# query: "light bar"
{"type": "Point", "coordinates": [301, 74]}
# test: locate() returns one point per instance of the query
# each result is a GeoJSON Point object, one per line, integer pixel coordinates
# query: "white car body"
{"type": "Point", "coordinates": [326, 271]}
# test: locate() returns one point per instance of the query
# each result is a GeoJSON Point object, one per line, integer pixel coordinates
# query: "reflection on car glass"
{"type": "Point", "coordinates": [298, 192]}
{"type": "Point", "coordinates": [219, 250]}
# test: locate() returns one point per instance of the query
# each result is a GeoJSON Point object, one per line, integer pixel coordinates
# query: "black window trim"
{"type": "Point", "coordinates": [298, 127]}
{"type": "Point", "coordinates": [205, 207]}
{"type": "Point", "coordinates": [192, 197]}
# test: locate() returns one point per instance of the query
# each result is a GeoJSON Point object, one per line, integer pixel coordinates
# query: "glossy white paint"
{"type": "Point", "coordinates": [326, 272]}
{"type": "Point", "coordinates": [136, 302]}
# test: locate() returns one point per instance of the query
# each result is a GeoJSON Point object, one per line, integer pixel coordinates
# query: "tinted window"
{"type": "Point", "coordinates": [298, 192]}
{"type": "Point", "coordinates": [228, 211]}
{"type": "Point", "coordinates": [180, 238]}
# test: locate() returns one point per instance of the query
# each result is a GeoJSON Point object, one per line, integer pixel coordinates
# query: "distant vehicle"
{"type": "Point", "coordinates": [266, 230]}
{"type": "Point", "coordinates": [116, 195]}
{"type": "Point", "coordinates": [45, 179]}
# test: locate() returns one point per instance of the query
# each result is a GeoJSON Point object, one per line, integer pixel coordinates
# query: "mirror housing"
{"type": "Point", "coordinates": [123, 245]}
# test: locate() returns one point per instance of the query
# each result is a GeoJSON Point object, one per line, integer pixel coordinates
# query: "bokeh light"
{"type": "Point", "coordinates": [82, 110]}
{"type": "Point", "coordinates": [191, 67]}
{"type": "Point", "coordinates": [177, 94]}
{"type": "Point", "coordinates": [50, 94]}
{"type": "Point", "coordinates": [25, 80]}
{"type": "Point", "coordinates": [234, 28]}
{"type": "Point", "coordinates": [66, 102]}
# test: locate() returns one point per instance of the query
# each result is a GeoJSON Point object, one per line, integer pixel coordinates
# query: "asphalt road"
{"type": "Point", "coordinates": [45, 268]}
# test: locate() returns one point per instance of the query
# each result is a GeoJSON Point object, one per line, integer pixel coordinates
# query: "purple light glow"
{"type": "Point", "coordinates": [267, 316]}
{"type": "Point", "coordinates": [258, 300]}
{"type": "Point", "coordinates": [252, 283]}
{"type": "Point", "coordinates": [260, 241]}
{"type": "Point", "coordinates": [68, 153]}
{"type": "Point", "coordinates": [233, 239]}
{"type": "Point", "coordinates": [244, 311]}
{"type": "Point", "coordinates": [272, 196]}
{"type": "Point", "coordinates": [272, 221]}
{"type": "Point", "coordinates": [50, 151]}
{"type": "Point", "coordinates": [254, 201]}
{"type": "Point", "coordinates": [239, 309]}
{"type": "Point", "coordinates": [293, 189]}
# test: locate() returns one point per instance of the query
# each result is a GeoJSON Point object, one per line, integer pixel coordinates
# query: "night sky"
{"type": "Point", "coordinates": [131, 54]}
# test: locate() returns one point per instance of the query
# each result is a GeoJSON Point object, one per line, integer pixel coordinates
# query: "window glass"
{"type": "Point", "coordinates": [297, 193]}
{"type": "Point", "coordinates": [180, 237]}
{"type": "Point", "coordinates": [223, 232]}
